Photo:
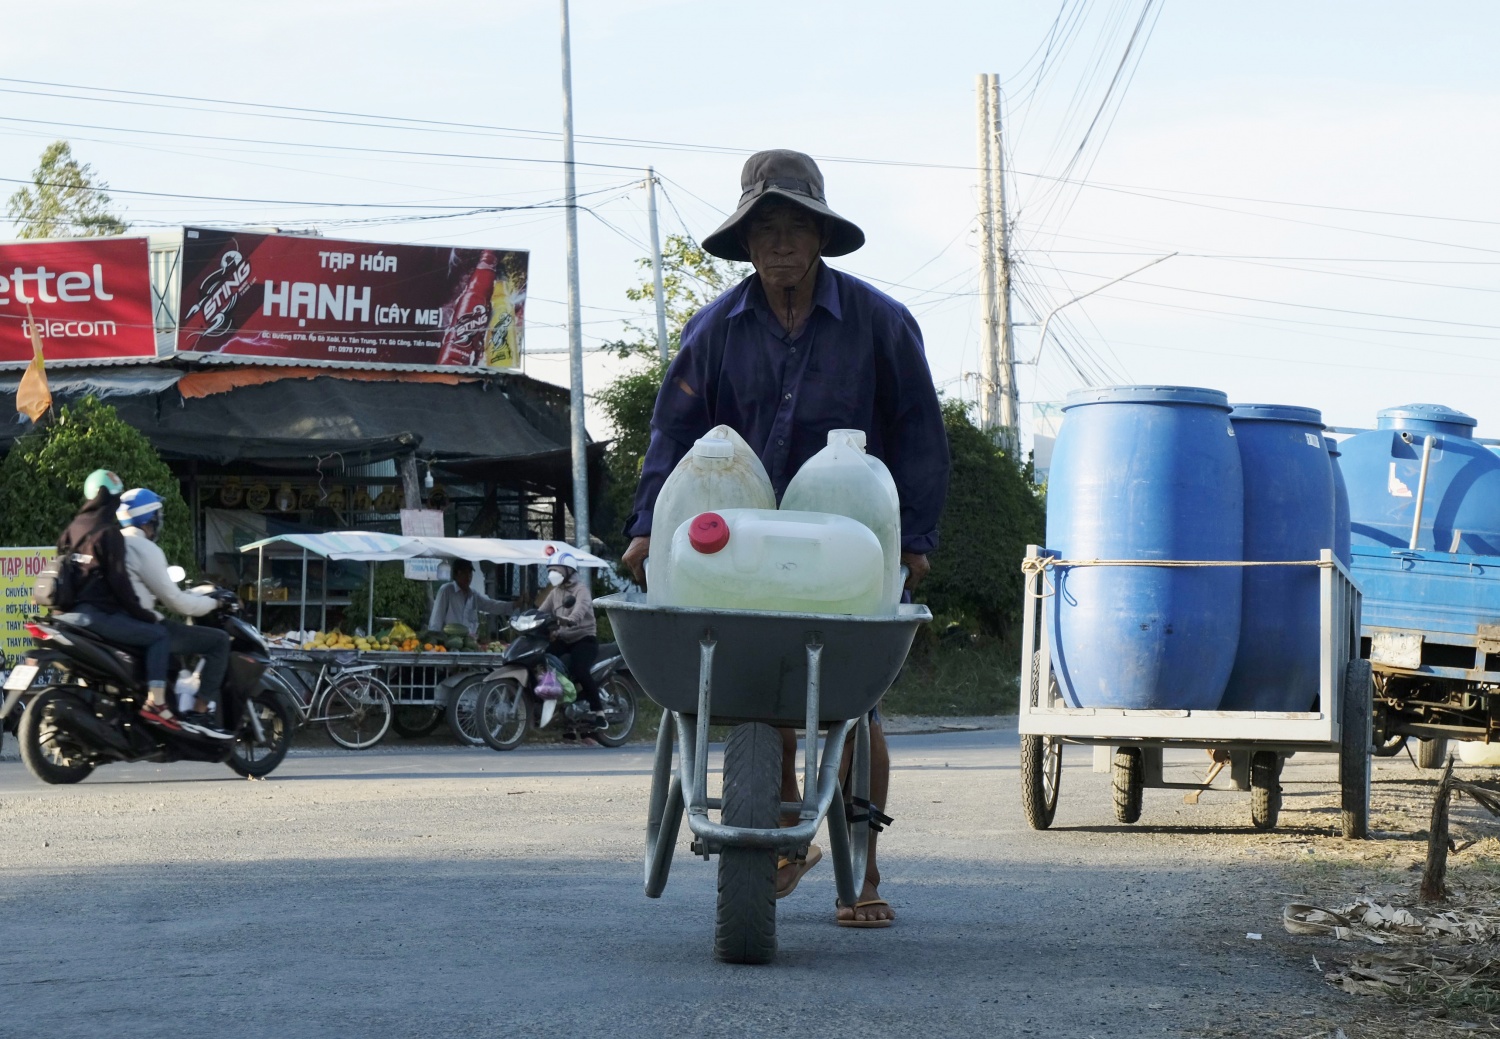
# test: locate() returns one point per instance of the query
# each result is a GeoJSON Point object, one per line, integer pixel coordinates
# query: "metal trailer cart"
{"type": "Point", "coordinates": [1432, 636]}
{"type": "Point", "coordinates": [1130, 743]}
{"type": "Point", "coordinates": [422, 688]}
{"type": "Point", "coordinates": [758, 671]}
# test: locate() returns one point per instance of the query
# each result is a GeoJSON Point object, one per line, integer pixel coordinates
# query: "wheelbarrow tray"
{"type": "Point", "coordinates": [760, 658]}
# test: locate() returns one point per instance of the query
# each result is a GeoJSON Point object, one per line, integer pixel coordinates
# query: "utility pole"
{"type": "Point", "coordinates": [989, 351]}
{"type": "Point", "coordinates": [575, 304]}
{"type": "Point", "coordinates": [1010, 404]}
{"type": "Point", "coordinates": [661, 299]}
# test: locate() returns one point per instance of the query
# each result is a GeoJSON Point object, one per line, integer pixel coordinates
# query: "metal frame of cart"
{"type": "Point", "coordinates": [757, 670]}
{"type": "Point", "coordinates": [413, 678]}
{"type": "Point", "coordinates": [1257, 742]}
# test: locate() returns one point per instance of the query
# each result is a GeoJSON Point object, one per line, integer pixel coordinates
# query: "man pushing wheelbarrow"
{"type": "Point", "coordinates": [795, 350]}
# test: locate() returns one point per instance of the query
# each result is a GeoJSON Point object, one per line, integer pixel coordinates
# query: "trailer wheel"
{"type": "Point", "coordinates": [1354, 750]}
{"type": "Point", "coordinates": [1265, 789]}
{"type": "Point", "coordinates": [1041, 775]}
{"type": "Point", "coordinates": [745, 922]}
{"type": "Point", "coordinates": [1129, 784]}
{"type": "Point", "coordinates": [1432, 753]}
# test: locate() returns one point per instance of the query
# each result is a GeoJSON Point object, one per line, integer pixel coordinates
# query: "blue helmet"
{"type": "Point", "coordinates": [138, 507]}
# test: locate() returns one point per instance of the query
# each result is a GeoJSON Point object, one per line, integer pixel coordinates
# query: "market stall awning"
{"type": "Point", "coordinates": [363, 546]}
{"type": "Point", "coordinates": [359, 545]}
{"type": "Point", "coordinates": [517, 552]}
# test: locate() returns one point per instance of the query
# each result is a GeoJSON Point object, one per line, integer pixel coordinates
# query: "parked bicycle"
{"type": "Point", "coordinates": [351, 701]}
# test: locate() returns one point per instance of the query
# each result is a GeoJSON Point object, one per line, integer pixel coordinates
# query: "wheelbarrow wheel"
{"type": "Point", "coordinates": [745, 923]}
{"type": "Point", "coordinates": [1354, 751]}
{"type": "Point", "coordinates": [1129, 784]}
{"type": "Point", "coordinates": [1265, 789]}
{"type": "Point", "coordinates": [1041, 775]}
{"type": "Point", "coordinates": [1432, 753]}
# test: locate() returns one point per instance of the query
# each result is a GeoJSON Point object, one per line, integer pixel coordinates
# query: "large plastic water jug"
{"type": "Point", "coordinates": [843, 480]}
{"type": "Point", "coordinates": [764, 559]}
{"type": "Point", "coordinates": [721, 471]}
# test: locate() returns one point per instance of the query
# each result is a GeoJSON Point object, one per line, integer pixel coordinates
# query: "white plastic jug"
{"type": "Point", "coordinates": [789, 562]}
{"type": "Point", "coordinates": [842, 479]}
{"type": "Point", "coordinates": [720, 472]}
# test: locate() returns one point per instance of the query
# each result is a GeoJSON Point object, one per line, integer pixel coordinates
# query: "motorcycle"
{"type": "Point", "coordinates": [79, 696]}
{"type": "Point", "coordinates": [513, 702]}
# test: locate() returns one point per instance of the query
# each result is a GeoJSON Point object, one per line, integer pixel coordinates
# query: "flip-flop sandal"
{"type": "Point", "coordinates": [813, 857]}
{"type": "Point", "coordinates": [852, 922]}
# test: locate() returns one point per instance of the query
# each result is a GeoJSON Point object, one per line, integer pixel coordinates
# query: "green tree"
{"type": "Point", "coordinates": [65, 200]}
{"type": "Point", "coordinates": [993, 512]}
{"type": "Point", "coordinates": [395, 596]}
{"type": "Point", "coordinates": [41, 480]}
{"type": "Point", "coordinates": [691, 278]}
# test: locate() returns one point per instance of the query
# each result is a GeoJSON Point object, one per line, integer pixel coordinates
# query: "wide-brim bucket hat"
{"type": "Point", "coordinates": [780, 173]}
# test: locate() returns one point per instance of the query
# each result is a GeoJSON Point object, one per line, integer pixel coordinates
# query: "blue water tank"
{"type": "Point", "coordinates": [1145, 472]}
{"type": "Point", "coordinates": [1340, 506]}
{"type": "Point", "coordinates": [1289, 515]}
{"type": "Point", "coordinates": [1461, 506]}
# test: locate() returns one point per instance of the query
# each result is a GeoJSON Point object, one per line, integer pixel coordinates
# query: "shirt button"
{"type": "Point", "coordinates": [794, 349]}
{"type": "Point", "coordinates": [787, 397]}
{"type": "Point", "coordinates": [781, 443]}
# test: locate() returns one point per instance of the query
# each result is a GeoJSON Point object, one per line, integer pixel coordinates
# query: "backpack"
{"type": "Point", "coordinates": [58, 583]}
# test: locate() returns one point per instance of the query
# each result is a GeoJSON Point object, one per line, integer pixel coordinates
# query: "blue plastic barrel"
{"type": "Point", "coordinates": [1340, 505]}
{"type": "Point", "coordinates": [1289, 515]}
{"type": "Point", "coordinates": [1461, 506]}
{"type": "Point", "coordinates": [1145, 472]}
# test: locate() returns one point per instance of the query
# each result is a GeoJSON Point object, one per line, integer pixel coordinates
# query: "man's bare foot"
{"type": "Point", "coordinates": [870, 911]}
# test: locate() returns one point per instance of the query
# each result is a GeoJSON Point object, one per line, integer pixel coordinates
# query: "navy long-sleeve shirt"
{"type": "Point", "coordinates": [858, 363]}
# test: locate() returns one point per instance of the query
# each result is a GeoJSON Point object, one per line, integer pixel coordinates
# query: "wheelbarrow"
{"type": "Point", "coordinates": [758, 672]}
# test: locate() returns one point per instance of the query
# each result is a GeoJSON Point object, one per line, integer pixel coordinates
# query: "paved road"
{"type": "Point", "coordinates": [447, 892]}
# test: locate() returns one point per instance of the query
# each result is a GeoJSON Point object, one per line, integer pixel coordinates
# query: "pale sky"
{"type": "Point", "coordinates": [1241, 130]}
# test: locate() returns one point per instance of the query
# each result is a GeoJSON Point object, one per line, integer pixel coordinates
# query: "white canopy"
{"type": "Point", "coordinates": [364, 546]}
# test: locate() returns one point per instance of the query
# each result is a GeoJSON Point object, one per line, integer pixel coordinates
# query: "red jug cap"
{"type": "Point", "coordinates": [708, 533]}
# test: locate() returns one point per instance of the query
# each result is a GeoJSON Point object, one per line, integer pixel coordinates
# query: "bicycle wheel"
{"type": "Point", "coordinates": [356, 710]}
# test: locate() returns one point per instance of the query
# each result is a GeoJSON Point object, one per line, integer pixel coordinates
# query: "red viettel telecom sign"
{"type": "Point", "coordinates": [90, 298]}
{"type": "Point", "coordinates": [321, 299]}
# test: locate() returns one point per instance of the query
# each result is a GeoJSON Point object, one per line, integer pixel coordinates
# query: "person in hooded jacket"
{"type": "Point", "coordinates": [105, 602]}
{"type": "Point", "coordinates": [140, 514]}
{"type": "Point", "coordinates": [576, 639]}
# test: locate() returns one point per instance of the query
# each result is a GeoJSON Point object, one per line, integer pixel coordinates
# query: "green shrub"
{"type": "Point", "coordinates": [41, 480]}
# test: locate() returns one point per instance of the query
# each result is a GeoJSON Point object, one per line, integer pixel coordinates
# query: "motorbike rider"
{"type": "Point", "coordinates": [575, 640]}
{"type": "Point", "coordinates": [140, 514]}
{"type": "Point", "coordinates": [105, 601]}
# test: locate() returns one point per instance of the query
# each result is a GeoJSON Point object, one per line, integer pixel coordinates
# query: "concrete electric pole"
{"type": "Point", "coordinates": [659, 293]}
{"type": "Point", "coordinates": [999, 405]}
{"type": "Point", "coordinates": [575, 304]}
{"type": "Point", "coordinates": [989, 351]}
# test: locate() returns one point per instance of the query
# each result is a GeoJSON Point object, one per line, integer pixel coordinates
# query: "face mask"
{"type": "Point", "coordinates": [554, 577]}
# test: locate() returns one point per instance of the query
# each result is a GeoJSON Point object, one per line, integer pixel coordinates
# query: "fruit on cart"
{"type": "Point", "coordinates": [401, 632]}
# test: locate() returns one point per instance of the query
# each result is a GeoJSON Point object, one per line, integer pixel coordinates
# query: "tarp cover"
{"type": "Point", "coordinates": [512, 420]}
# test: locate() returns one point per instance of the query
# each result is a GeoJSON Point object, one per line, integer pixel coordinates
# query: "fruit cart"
{"type": "Point", "coordinates": [1130, 743]}
{"type": "Point", "coordinates": [428, 681]}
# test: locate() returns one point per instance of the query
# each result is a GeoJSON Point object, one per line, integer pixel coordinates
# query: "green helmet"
{"type": "Point", "coordinates": [102, 480]}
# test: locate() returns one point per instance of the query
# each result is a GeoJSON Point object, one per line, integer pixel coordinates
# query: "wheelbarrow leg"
{"type": "Point", "coordinates": [664, 818]}
{"type": "Point", "coordinates": [849, 843]}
